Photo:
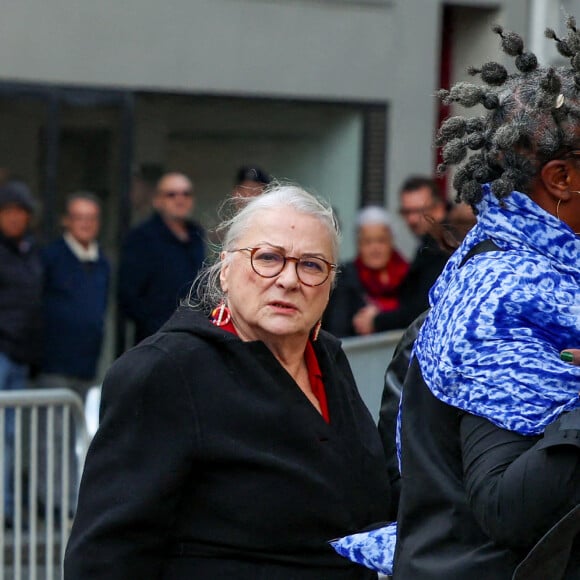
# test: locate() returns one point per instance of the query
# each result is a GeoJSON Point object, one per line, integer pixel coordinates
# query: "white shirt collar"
{"type": "Point", "coordinates": [90, 254]}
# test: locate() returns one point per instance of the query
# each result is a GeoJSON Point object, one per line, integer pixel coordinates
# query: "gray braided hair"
{"type": "Point", "coordinates": [533, 116]}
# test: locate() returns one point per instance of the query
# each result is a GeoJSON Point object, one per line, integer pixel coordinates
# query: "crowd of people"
{"type": "Point", "coordinates": [54, 298]}
{"type": "Point", "coordinates": [379, 290]}
{"type": "Point", "coordinates": [233, 442]}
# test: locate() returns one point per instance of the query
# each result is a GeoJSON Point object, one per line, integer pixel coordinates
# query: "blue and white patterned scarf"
{"type": "Point", "coordinates": [491, 343]}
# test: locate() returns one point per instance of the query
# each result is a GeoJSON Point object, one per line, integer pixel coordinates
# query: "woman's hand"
{"type": "Point", "coordinates": [571, 355]}
{"type": "Point", "coordinates": [362, 321]}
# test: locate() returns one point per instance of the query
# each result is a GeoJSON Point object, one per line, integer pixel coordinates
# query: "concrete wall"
{"type": "Point", "coordinates": [369, 357]}
{"type": "Point", "coordinates": [315, 145]}
{"type": "Point", "coordinates": [376, 51]}
{"type": "Point", "coordinates": [413, 107]}
{"type": "Point", "coordinates": [306, 49]}
{"type": "Point", "coordinates": [299, 48]}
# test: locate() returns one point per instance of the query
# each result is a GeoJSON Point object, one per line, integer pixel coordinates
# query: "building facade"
{"type": "Point", "coordinates": [337, 95]}
{"type": "Point", "coordinates": [334, 94]}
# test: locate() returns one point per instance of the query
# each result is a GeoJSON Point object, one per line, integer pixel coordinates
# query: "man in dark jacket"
{"type": "Point", "coordinates": [75, 293]}
{"type": "Point", "coordinates": [161, 257]}
{"type": "Point", "coordinates": [76, 281]}
{"type": "Point", "coordinates": [421, 206]}
{"type": "Point", "coordinates": [20, 307]}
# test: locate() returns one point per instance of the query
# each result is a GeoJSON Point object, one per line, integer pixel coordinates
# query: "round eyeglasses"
{"type": "Point", "coordinates": [269, 263]}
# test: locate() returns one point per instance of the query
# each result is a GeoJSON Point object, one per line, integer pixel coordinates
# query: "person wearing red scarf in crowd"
{"type": "Point", "coordinates": [373, 278]}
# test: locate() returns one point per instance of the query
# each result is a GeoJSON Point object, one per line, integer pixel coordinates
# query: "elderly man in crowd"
{"type": "Point", "coordinates": [161, 257]}
{"type": "Point", "coordinates": [76, 284]}
{"type": "Point", "coordinates": [75, 297]}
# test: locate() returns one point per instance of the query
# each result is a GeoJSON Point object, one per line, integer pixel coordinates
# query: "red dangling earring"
{"type": "Point", "coordinates": [316, 330]}
{"type": "Point", "coordinates": [220, 315]}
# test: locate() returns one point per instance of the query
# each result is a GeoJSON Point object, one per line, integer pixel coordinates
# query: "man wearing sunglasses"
{"type": "Point", "coordinates": [161, 257]}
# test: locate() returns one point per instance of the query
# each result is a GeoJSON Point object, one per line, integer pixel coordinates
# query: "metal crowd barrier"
{"type": "Point", "coordinates": [368, 357]}
{"type": "Point", "coordinates": [33, 541]}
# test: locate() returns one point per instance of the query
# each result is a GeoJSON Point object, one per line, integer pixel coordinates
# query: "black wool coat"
{"type": "Point", "coordinates": [479, 502]}
{"type": "Point", "coordinates": [211, 463]}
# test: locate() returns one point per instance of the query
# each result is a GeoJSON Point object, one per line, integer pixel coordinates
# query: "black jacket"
{"type": "Point", "coordinates": [390, 400]}
{"type": "Point", "coordinates": [346, 299]}
{"type": "Point", "coordinates": [156, 271]}
{"type": "Point", "coordinates": [477, 500]}
{"type": "Point", "coordinates": [211, 463]}
{"type": "Point", "coordinates": [20, 301]}
{"type": "Point", "coordinates": [427, 264]}
{"type": "Point", "coordinates": [349, 296]}
{"type": "Point", "coordinates": [395, 378]}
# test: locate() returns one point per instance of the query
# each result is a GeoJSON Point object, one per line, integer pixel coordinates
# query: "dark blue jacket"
{"type": "Point", "coordinates": [156, 271]}
{"type": "Point", "coordinates": [75, 301]}
{"type": "Point", "coordinates": [20, 300]}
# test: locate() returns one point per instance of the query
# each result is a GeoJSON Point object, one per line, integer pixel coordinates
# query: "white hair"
{"type": "Point", "coordinates": [207, 288]}
{"type": "Point", "coordinates": [373, 215]}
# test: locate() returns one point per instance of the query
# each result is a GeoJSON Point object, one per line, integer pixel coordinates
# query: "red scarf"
{"type": "Point", "coordinates": [381, 285]}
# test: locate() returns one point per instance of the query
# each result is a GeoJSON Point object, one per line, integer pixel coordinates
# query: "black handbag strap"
{"type": "Point", "coordinates": [480, 248]}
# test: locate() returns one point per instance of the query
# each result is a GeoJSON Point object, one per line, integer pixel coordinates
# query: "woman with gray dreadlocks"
{"type": "Point", "coordinates": [490, 417]}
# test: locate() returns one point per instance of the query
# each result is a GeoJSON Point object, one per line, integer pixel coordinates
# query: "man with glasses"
{"type": "Point", "coordinates": [161, 257]}
{"type": "Point", "coordinates": [76, 287]}
{"type": "Point", "coordinates": [76, 283]}
{"type": "Point", "coordinates": [422, 207]}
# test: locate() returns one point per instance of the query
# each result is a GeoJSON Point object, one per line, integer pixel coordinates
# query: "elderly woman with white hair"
{"type": "Point", "coordinates": [372, 278]}
{"type": "Point", "coordinates": [233, 442]}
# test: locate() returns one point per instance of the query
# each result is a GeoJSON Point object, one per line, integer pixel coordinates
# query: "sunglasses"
{"type": "Point", "coordinates": [174, 194]}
